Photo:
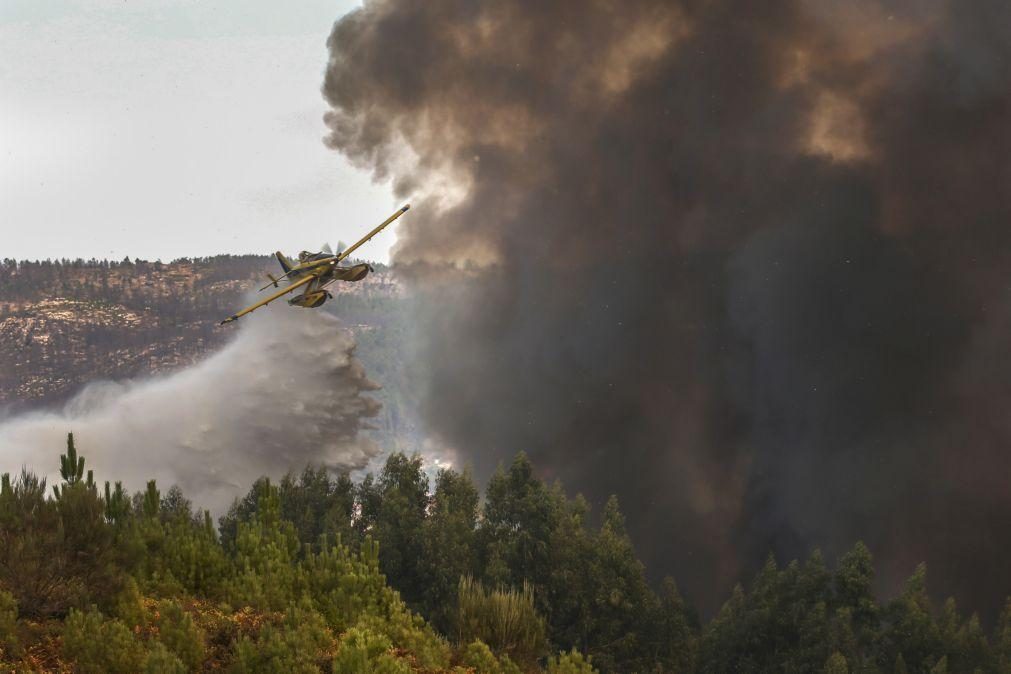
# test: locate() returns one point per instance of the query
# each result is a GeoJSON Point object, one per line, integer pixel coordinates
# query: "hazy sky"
{"type": "Point", "coordinates": [168, 128]}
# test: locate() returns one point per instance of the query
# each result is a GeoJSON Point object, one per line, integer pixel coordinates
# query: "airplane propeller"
{"type": "Point", "coordinates": [326, 249]}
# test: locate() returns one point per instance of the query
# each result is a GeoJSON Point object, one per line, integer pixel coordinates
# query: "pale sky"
{"type": "Point", "coordinates": [160, 129]}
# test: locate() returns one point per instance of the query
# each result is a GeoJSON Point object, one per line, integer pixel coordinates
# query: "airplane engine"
{"type": "Point", "coordinates": [310, 300]}
{"type": "Point", "coordinates": [358, 272]}
{"type": "Point", "coordinates": [355, 273]}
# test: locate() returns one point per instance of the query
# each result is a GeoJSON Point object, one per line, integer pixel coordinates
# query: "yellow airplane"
{"type": "Point", "coordinates": [314, 272]}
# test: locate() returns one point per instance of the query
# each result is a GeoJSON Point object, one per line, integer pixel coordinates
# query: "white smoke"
{"type": "Point", "coordinates": [285, 392]}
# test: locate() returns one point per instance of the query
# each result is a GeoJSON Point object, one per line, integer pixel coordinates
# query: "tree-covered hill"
{"type": "Point", "coordinates": [397, 574]}
{"type": "Point", "coordinates": [65, 323]}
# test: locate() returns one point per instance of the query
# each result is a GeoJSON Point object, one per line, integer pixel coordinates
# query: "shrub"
{"type": "Point", "coordinates": [570, 663]}
{"type": "Point", "coordinates": [347, 585]}
{"type": "Point", "coordinates": [179, 634]}
{"type": "Point", "coordinates": [479, 657]}
{"type": "Point", "coordinates": [363, 651]}
{"type": "Point", "coordinates": [410, 633]}
{"type": "Point", "coordinates": [162, 661]}
{"type": "Point", "coordinates": [299, 644]}
{"type": "Point", "coordinates": [505, 620]}
{"type": "Point", "coordinates": [8, 623]}
{"type": "Point", "coordinates": [508, 666]}
{"type": "Point", "coordinates": [129, 606]}
{"type": "Point", "coordinates": [95, 644]}
{"type": "Point", "coordinates": [349, 590]}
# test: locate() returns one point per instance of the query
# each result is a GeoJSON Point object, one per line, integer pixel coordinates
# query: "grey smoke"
{"type": "Point", "coordinates": [285, 392]}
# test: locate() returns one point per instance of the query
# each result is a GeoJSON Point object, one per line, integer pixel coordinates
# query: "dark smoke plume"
{"type": "Point", "coordinates": [744, 264]}
{"type": "Point", "coordinates": [286, 392]}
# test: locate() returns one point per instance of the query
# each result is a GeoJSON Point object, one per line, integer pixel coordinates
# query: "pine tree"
{"type": "Point", "coordinates": [852, 585]}
{"type": "Point", "coordinates": [677, 638]}
{"type": "Point", "coordinates": [160, 660]}
{"type": "Point", "coordinates": [72, 467]}
{"type": "Point", "coordinates": [972, 650]}
{"type": "Point", "coordinates": [179, 634]}
{"type": "Point", "coordinates": [264, 576]}
{"type": "Point", "coordinates": [842, 638]}
{"type": "Point", "coordinates": [570, 591]}
{"type": "Point", "coordinates": [623, 612]}
{"type": "Point", "coordinates": [175, 506]}
{"type": "Point", "coordinates": [193, 557]}
{"type": "Point", "coordinates": [515, 537]}
{"type": "Point", "coordinates": [836, 664]}
{"type": "Point", "coordinates": [338, 522]}
{"type": "Point", "coordinates": [305, 502]}
{"type": "Point", "coordinates": [117, 504]}
{"type": "Point", "coordinates": [151, 500]}
{"type": "Point", "coordinates": [55, 554]}
{"type": "Point", "coordinates": [100, 646]}
{"type": "Point", "coordinates": [241, 510]}
{"type": "Point", "coordinates": [447, 544]}
{"type": "Point", "coordinates": [1002, 640]}
{"type": "Point", "coordinates": [398, 521]}
{"type": "Point", "coordinates": [911, 629]}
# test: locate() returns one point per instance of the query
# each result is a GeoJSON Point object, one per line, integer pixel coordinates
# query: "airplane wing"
{"type": "Point", "coordinates": [367, 237]}
{"type": "Point", "coordinates": [297, 284]}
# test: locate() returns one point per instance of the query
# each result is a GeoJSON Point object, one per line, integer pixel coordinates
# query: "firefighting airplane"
{"type": "Point", "coordinates": [314, 272]}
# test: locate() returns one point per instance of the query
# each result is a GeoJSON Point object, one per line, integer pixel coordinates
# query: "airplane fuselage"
{"type": "Point", "coordinates": [326, 270]}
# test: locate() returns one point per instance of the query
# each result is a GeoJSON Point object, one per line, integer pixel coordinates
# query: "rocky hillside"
{"type": "Point", "coordinates": [64, 323]}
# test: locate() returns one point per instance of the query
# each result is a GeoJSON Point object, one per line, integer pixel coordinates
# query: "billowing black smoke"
{"type": "Point", "coordinates": [744, 264]}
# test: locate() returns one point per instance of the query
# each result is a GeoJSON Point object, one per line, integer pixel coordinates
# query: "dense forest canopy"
{"type": "Point", "coordinates": [400, 573]}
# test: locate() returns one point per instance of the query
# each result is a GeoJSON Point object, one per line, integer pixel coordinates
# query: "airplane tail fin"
{"type": "Point", "coordinates": [285, 262]}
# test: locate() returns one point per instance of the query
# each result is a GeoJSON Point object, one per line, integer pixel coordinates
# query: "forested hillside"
{"type": "Point", "coordinates": [397, 574]}
{"type": "Point", "coordinates": [65, 323]}
{"type": "Point", "coordinates": [400, 571]}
